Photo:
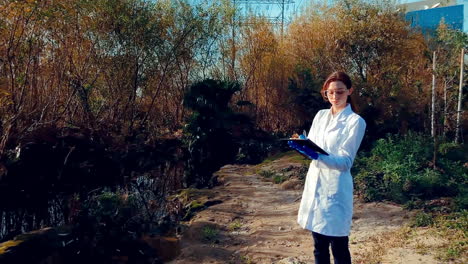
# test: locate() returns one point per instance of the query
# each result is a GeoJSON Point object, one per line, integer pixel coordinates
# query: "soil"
{"type": "Point", "coordinates": [256, 223]}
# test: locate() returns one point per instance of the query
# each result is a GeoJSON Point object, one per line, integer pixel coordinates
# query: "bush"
{"type": "Point", "coordinates": [108, 220]}
{"type": "Point", "coordinates": [422, 219]}
{"type": "Point", "coordinates": [216, 135]}
{"type": "Point", "coordinates": [210, 234]}
{"type": "Point", "coordinates": [267, 174]}
{"type": "Point", "coordinates": [252, 149]}
{"type": "Point", "coordinates": [208, 134]}
{"type": "Point", "coordinates": [279, 179]}
{"type": "Point", "coordinates": [400, 169]}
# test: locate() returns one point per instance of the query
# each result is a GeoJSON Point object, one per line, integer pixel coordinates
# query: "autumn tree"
{"type": "Point", "coordinates": [448, 43]}
{"type": "Point", "coordinates": [376, 46]}
{"type": "Point", "coordinates": [119, 67]}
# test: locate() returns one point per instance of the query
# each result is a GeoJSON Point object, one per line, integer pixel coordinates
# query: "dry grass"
{"type": "Point", "coordinates": [374, 248]}
{"type": "Point", "coordinates": [445, 241]}
{"type": "Point", "coordinates": [454, 231]}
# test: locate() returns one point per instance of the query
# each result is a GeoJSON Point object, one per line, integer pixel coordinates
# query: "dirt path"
{"type": "Point", "coordinates": [256, 223]}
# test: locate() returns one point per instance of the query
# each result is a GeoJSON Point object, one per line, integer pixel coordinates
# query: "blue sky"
{"type": "Point", "coordinates": [274, 10]}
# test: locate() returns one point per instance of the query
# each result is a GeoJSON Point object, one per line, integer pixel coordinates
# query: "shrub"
{"type": "Point", "coordinates": [369, 184]}
{"type": "Point", "coordinates": [267, 174]}
{"type": "Point", "coordinates": [279, 179]}
{"type": "Point", "coordinates": [422, 219]}
{"type": "Point", "coordinates": [210, 234]}
{"type": "Point", "coordinates": [400, 168]}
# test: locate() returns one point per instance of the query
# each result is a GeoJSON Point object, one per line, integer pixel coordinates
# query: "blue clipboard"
{"type": "Point", "coordinates": [308, 143]}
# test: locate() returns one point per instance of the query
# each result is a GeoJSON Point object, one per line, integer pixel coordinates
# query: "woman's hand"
{"type": "Point", "coordinates": [303, 149]}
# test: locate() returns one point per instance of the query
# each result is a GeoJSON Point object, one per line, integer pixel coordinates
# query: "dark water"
{"type": "Point", "coordinates": [45, 203]}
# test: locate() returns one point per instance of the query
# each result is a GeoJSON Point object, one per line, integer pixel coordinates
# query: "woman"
{"type": "Point", "coordinates": [327, 201]}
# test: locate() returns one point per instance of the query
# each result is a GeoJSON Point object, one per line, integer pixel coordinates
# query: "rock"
{"type": "Point", "coordinates": [292, 184]}
{"type": "Point", "coordinates": [167, 248]}
{"type": "Point", "coordinates": [290, 260]}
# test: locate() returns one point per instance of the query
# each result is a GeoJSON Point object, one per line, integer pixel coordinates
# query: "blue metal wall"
{"type": "Point", "coordinates": [429, 19]}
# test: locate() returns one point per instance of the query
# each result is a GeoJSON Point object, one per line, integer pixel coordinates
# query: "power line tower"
{"type": "Point", "coordinates": [278, 12]}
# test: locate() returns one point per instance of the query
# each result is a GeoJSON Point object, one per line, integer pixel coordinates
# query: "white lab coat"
{"type": "Point", "coordinates": [327, 201]}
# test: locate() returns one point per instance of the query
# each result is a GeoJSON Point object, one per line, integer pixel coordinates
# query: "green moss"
{"type": "Point", "coordinates": [278, 156]}
{"type": "Point", "coordinates": [197, 204]}
{"type": "Point", "coordinates": [235, 225]}
{"type": "Point", "coordinates": [193, 200]}
{"type": "Point", "coordinates": [299, 158]}
{"type": "Point", "coordinates": [185, 194]}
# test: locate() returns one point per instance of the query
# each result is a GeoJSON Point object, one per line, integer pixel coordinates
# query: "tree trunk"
{"type": "Point", "coordinates": [433, 95]}
{"type": "Point", "coordinates": [460, 95]}
{"type": "Point", "coordinates": [445, 108]}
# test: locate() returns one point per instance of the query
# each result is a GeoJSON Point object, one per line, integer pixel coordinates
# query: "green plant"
{"type": "Point", "coordinates": [400, 168]}
{"type": "Point", "coordinates": [422, 219]}
{"type": "Point", "coordinates": [247, 260]}
{"type": "Point", "coordinates": [277, 179]}
{"type": "Point", "coordinates": [252, 150]}
{"type": "Point", "coordinates": [208, 132]}
{"type": "Point", "coordinates": [413, 204]}
{"type": "Point", "coordinates": [453, 227]}
{"type": "Point", "coordinates": [267, 174]}
{"type": "Point", "coordinates": [210, 234]}
{"type": "Point", "coordinates": [461, 200]}
{"type": "Point", "coordinates": [236, 225]}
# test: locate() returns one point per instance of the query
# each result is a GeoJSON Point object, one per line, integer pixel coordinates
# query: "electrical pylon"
{"type": "Point", "coordinates": [262, 7]}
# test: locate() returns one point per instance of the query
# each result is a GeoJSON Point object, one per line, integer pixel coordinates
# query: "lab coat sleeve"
{"type": "Point", "coordinates": [343, 160]}
{"type": "Point", "coordinates": [313, 129]}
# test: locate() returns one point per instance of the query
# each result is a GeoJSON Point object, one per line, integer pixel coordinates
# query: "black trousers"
{"type": "Point", "coordinates": [339, 246]}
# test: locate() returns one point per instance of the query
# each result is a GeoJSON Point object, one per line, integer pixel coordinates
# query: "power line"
{"type": "Point", "coordinates": [264, 7]}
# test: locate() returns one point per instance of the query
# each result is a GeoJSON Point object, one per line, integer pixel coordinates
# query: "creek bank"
{"type": "Point", "coordinates": [61, 245]}
{"type": "Point", "coordinates": [256, 223]}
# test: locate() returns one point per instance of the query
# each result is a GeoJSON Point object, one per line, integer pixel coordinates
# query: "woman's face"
{"type": "Point", "coordinates": [337, 94]}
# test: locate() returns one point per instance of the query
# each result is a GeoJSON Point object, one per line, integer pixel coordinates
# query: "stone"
{"type": "Point", "coordinates": [290, 260]}
{"type": "Point", "coordinates": [167, 248]}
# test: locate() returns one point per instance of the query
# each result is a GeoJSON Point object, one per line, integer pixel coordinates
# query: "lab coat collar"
{"type": "Point", "coordinates": [343, 113]}
{"type": "Point", "coordinates": [340, 117]}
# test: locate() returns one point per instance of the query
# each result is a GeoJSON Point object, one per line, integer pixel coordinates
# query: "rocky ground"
{"type": "Point", "coordinates": [256, 223]}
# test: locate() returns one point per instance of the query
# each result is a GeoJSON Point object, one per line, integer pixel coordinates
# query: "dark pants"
{"type": "Point", "coordinates": [339, 247]}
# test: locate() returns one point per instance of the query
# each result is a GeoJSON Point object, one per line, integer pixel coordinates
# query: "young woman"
{"type": "Point", "coordinates": [327, 201]}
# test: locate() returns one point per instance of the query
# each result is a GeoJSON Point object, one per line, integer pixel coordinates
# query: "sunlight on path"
{"type": "Point", "coordinates": [256, 223]}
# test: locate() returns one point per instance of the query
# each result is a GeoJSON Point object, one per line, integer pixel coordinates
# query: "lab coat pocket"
{"type": "Point", "coordinates": [337, 208]}
{"type": "Point", "coordinates": [333, 182]}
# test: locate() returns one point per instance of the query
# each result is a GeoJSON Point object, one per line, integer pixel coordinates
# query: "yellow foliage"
{"type": "Point", "coordinates": [4, 247]}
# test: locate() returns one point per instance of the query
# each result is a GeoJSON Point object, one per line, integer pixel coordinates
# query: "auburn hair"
{"type": "Point", "coordinates": [334, 77]}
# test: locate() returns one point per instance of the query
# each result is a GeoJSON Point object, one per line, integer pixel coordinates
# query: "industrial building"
{"type": "Point", "coordinates": [428, 14]}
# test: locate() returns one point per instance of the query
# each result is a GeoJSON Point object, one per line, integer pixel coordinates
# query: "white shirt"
{"type": "Point", "coordinates": [327, 201]}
